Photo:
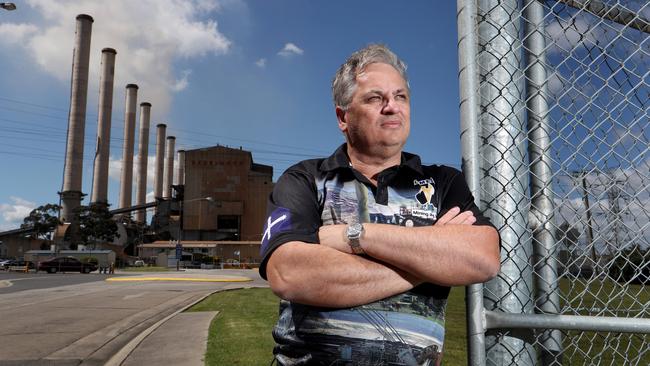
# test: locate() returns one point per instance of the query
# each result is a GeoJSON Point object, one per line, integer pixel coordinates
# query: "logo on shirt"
{"type": "Point", "coordinates": [278, 221]}
{"type": "Point", "coordinates": [426, 208]}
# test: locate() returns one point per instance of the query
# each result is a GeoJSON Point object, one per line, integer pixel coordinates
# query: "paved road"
{"type": "Point", "coordinates": [16, 281]}
{"type": "Point", "coordinates": [87, 322]}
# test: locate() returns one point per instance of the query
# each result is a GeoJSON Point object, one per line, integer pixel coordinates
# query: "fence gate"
{"type": "Point", "coordinates": [555, 132]}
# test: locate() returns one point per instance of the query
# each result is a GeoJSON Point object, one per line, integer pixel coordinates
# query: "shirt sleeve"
{"type": "Point", "coordinates": [458, 194]}
{"type": "Point", "coordinates": [293, 214]}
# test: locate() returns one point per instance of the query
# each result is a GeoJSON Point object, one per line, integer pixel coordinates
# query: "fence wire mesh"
{"type": "Point", "coordinates": [564, 94]}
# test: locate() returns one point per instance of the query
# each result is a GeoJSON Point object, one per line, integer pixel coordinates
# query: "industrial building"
{"type": "Point", "coordinates": [219, 194]}
{"type": "Point", "coordinates": [238, 187]}
{"type": "Point", "coordinates": [221, 197]}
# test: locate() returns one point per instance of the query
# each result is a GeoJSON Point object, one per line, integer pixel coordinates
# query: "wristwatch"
{"type": "Point", "coordinates": [354, 233]}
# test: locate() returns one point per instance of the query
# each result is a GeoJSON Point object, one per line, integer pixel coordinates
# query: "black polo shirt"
{"type": "Point", "coordinates": [405, 328]}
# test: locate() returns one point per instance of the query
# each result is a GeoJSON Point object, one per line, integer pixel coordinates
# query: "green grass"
{"type": "Point", "coordinates": [609, 348]}
{"type": "Point", "coordinates": [147, 269]}
{"type": "Point", "coordinates": [241, 333]}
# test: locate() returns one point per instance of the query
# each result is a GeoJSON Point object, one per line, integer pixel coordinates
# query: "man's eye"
{"type": "Point", "coordinates": [401, 97]}
{"type": "Point", "coordinates": [374, 99]}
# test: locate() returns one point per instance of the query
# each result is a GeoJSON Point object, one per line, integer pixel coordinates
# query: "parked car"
{"type": "Point", "coordinates": [3, 262]}
{"type": "Point", "coordinates": [66, 264]}
{"type": "Point", "coordinates": [139, 263]}
{"type": "Point", "coordinates": [5, 265]}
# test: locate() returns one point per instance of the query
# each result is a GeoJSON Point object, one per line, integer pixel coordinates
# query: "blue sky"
{"type": "Point", "coordinates": [244, 73]}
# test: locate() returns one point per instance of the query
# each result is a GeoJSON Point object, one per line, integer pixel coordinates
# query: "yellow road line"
{"type": "Point", "coordinates": [188, 279]}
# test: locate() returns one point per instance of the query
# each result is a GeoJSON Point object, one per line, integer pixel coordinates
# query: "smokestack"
{"type": "Point", "coordinates": [160, 160]}
{"type": "Point", "coordinates": [74, 151]}
{"type": "Point", "coordinates": [169, 170]}
{"type": "Point", "coordinates": [126, 183]}
{"type": "Point", "coordinates": [102, 152]}
{"type": "Point", "coordinates": [143, 156]}
{"type": "Point", "coordinates": [180, 172]}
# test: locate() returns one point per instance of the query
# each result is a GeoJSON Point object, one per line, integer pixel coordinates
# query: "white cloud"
{"type": "Point", "coordinates": [115, 168]}
{"type": "Point", "coordinates": [14, 213]}
{"type": "Point", "coordinates": [148, 35]}
{"type": "Point", "coordinates": [290, 49]}
{"type": "Point", "coordinates": [261, 63]}
{"type": "Point", "coordinates": [150, 197]}
{"type": "Point", "coordinates": [16, 33]}
{"type": "Point", "coordinates": [182, 83]}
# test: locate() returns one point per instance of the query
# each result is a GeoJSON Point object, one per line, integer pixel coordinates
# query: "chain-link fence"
{"type": "Point", "coordinates": [555, 132]}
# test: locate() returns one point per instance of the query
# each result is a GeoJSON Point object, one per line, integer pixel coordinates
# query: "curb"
{"type": "Point", "coordinates": [121, 355]}
{"type": "Point", "coordinates": [188, 279]}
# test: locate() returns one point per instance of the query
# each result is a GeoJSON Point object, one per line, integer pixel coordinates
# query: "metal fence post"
{"type": "Point", "coordinates": [572, 120]}
{"type": "Point", "coordinates": [469, 139]}
{"type": "Point", "coordinates": [541, 211]}
{"type": "Point", "coordinates": [505, 184]}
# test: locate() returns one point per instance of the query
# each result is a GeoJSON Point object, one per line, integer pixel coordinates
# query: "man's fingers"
{"type": "Point", "coordinates": [455, 217]}
{"type": "Point", "coordinates": [448, 216]}
{"type": "Point", "coordinates": [461, 218]}
{"type": "Point", "coordinates": [469, 220]}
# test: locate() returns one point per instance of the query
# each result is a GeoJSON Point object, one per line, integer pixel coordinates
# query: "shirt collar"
{"type": "Point", "coordinates": [339, 159]}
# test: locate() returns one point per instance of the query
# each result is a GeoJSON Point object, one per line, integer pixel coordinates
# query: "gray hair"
{"type": "Point", "coordinates": [345, 80]}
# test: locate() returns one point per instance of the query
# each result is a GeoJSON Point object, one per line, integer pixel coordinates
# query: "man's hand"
{"type": "Point", "coordinates": [333, 236]}
{"type": "Point", "coordinates": [455, 217]}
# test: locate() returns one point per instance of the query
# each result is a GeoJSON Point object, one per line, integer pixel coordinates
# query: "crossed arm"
{"type": "Point", "coordinates": [452, 252]}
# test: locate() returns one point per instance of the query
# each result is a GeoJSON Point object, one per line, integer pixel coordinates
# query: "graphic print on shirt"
{"type": "Point", "coordinates": [406, 329]}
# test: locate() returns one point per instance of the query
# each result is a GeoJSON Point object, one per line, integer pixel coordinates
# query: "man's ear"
{"type": "Point", "coordinates": [341, 117]}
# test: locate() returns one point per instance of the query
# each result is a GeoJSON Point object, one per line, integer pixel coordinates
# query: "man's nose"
{"type": "Point", "coordinates": [390, 106]}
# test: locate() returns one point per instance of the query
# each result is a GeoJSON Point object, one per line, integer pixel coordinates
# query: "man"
{"type": "Point", "coordinates": [363, 246]}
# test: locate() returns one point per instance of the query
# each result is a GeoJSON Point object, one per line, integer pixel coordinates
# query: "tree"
{"type": "Point", "coordinates": [95, 225]}
{"type": "Point", "coordinates": [569, 236]}
{"type": "Point", "coordinates": [43, 220]}
{"type": "Point", "coordinates": [631, 265]}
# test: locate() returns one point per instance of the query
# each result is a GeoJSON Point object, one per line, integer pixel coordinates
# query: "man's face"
{"type": "Point", "coordinates": [378, 118]}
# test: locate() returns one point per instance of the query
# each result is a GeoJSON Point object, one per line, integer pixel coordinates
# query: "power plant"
{"type": "Point", "coordinates": [71, 193]}
{"type": "Point", "coordinates": [102, 151]}
{"type": "Point", "coordinates": [143, 155]}
{"type": "Point", "coordinates": [216, 196]}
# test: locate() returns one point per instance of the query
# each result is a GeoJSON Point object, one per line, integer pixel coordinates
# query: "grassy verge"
{"type": "Point", "coordinates": [241, 333]}
{"type": "Point", "coordinates": [146, 269]}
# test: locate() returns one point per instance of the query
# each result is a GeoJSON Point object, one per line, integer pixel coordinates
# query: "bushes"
{"type": "Point", "coordinates": [631, 265]}
{"type": "Point", "coordinates": [89, 259]}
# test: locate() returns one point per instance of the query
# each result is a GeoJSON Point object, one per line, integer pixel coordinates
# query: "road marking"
{"type": "Point", "coordinates": [10, 282]}
{"type": "Point", "coordinates": [24, 278]}
{"type": "Point", "coordinates": [187, 279]}
{"type": "Point", "coordinates": [127, 297]}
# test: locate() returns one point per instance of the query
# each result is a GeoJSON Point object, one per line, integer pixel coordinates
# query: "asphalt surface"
{"type": "Point", "coordinates": [82, 319]}
{"type": "Point", "coordinates": [17, 281]}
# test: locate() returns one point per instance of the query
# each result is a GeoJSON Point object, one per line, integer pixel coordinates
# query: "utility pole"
{"type": "Point", "coordinates": [585, 199]}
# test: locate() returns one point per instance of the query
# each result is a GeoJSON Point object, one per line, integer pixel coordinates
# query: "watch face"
{"type": "Point", "coordinates": [354, 231]}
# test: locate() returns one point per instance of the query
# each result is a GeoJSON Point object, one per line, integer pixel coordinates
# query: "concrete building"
{"type": "Point", "coordinates": [238, 188]}
{"type": "Point", "coordinates": [226, 252]}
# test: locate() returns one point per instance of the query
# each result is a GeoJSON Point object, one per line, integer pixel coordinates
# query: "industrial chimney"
{"type": "Point", "coordinates": [180, 172]}
{"type": "Point", "coordinates": [143, 155]}
{"type": "Point", "coordinates": [169, 170]}
{"type": "Point", "coordinates": [71, 192]}
{"type": "Point", "coordinates": [102, 151]}
{"type": "Point", "coordinates": [126, 183]}
{"type": "Point", "coordinates": [160, 160]}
